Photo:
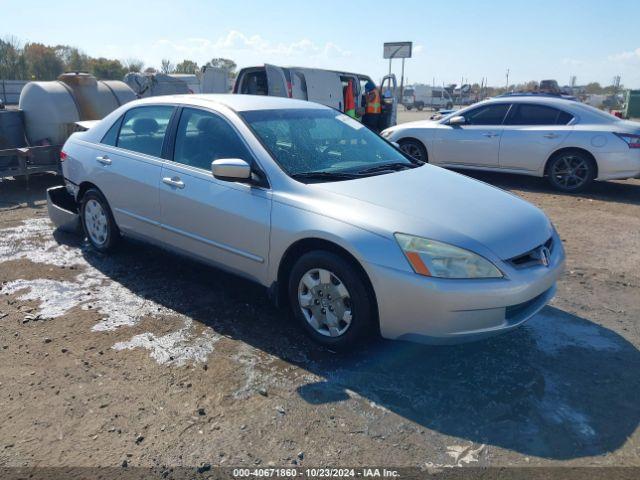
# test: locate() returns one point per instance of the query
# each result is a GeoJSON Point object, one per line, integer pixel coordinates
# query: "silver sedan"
{"type": "Point", "coordinates": [354, 236]}
{"type": "Point", "coordinates": [569, 143]}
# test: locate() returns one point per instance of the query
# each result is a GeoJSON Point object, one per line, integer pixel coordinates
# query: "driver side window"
{"type": "Point", "coordinates": [487, 115]}
{"type": "Point", "coordinates": [203, 137]}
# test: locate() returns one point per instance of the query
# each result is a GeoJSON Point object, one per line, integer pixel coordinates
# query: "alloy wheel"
{"type": "Point", "coordinates": [570, 172]}
{"type": "Point", "coordinates": [412, 150]}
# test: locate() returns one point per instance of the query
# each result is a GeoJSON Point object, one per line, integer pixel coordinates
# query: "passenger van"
{"type": "Point", "coordinates": [421, 96]}
{"type": "Point", "coordinates": [327, 87]}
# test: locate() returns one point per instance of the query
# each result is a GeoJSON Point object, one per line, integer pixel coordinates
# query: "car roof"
{"type": "Point", "coordinates": [237, 102]}
{"type": "Point", "coordinates": [539, 99]}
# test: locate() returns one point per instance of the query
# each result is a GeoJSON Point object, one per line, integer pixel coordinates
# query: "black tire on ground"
{"type": "Point", "coordinates": [360, 301]}
{"type": "Point", "coordinates": [571, 171]}
{"type": "Point", "coordinates": [449, 106]}
{"type": "Point", "coordinates": [420, 107]}
{"type": "Point", "coordinates": [112, 233]}
{"type": "Point", "coordinates": [408, 107]}
{"type": "Point", "coordinates": [415, 149]}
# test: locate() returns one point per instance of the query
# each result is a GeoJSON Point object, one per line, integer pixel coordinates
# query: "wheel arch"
{"type": "Point", "coordinates": [305, 245]}
{"type": "Point", "coordinates": [570, 149]}
{"type": "Point", "coordinates": [84, 187]}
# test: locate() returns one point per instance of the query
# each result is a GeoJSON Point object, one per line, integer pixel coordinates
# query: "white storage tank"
{"type": "Point", "coordinates": [51, 108]}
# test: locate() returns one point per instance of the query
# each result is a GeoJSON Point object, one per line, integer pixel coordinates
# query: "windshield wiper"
{"type": "Point", "coordinates": [395, 166]}
{"type": "Point", "coordinates": [324, 175]}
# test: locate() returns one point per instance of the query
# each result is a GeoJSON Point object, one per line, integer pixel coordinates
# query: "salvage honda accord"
{"type": "Point", "coordinates": [356, 237]}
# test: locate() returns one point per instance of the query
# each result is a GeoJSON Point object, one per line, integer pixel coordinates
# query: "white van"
{"type": "Point", "coordinates": [421, 96]}
{"type": "Point", "coordinates": [316, 85]}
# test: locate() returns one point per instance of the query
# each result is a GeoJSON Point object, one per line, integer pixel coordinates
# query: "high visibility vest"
{"type": "Point", "coordinates": [349, 100]}
{"type": "Point", "coordinates": [373, 102]}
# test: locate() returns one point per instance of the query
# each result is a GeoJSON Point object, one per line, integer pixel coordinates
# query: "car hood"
{"type": "Point", "coordinates": [441, 205]}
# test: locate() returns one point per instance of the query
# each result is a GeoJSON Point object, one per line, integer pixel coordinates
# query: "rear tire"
{"type": "Point", "coordinates": [420, 107]}
{"type": "Point", "coordinates": [414, 149]}
{"type": "Point", "coordinates": [408, 108]}
{"type": "Point", "coordinates": [449, 106]}
{"type": "Point", "coordinates": [571, 171]}
{"type": "Point", "coordinates": [97, 221]}
{"type": "Point", "coordinates": [331, 300]}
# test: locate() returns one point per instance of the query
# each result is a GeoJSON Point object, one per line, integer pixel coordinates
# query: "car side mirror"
{"type": "Point", "coordinates": [457, 120]}
{"type": "Point", "coordinates": [231, 169]}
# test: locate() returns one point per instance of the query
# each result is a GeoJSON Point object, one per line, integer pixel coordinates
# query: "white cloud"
{"type": "Point", "coordinates": [236, 42]}
{"type": "Point", "coordinates": [626, 56]}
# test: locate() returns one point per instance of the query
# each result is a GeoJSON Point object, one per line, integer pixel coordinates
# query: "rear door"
{"type": "Point", "coordinates": [324, 87]}
{"type": "Point", "coordinates": [226, 223]}
{"type": "Point", "coordinates": [298, 84]}
{"type": "Point", "coordinates": [476, 143]}
{"type": "Point", "coordinates": [129, 167]}
{"type": "Point", "coordinates": [277, 81]}
{"type": "Point", "coordinates": [532, 132]}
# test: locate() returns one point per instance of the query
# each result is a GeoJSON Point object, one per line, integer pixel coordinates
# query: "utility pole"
{"type": "Point", "coordinates": [402, 80]}
{"type": "Point", "coordinates": [507, 91]}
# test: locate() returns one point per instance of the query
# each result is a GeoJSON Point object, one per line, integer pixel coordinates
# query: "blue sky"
{"type": "Point", "coordinates": [535, 39]}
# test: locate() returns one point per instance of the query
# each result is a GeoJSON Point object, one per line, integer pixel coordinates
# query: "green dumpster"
{"type": "Point", "coordinates": [632, 101]}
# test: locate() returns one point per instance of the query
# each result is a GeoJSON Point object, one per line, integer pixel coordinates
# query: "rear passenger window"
{"type": "Point", "coordinates": [143, 129]}
{"type": "Point", "coordinates": [526, 114]}
{"type": "Point", "coordinates": [203, 137]}
{"type": "Point", "coordinates": [111, 137]}
{"type": "Point", "coordinates": [564, 118]}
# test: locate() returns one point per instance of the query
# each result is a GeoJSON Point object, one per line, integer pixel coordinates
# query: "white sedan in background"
{"type": "Point", "coordinates": [570, 143]}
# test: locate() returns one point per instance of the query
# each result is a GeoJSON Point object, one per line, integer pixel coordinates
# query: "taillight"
{"type": "Point", "coordinates": [633, 141]}
{"type": "Point", "coordinates": [63, 156]}
{"type": "Point", "coordinates": [289, 89]}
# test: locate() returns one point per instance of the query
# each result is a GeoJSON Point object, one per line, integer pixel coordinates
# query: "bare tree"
{"type": "Point", "coordinates": [166, 66]}
{"type": "Point", "coordinates": [133, 64]}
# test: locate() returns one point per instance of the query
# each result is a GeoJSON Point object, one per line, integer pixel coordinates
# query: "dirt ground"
{"type": "Point", "coordinates": [144, 358]}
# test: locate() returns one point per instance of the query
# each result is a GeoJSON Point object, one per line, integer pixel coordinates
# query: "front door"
{"type": "Point", "coordinates": [225, 223]}
{"type": "Point", "coordinates": [474, 143]}
{"type": "Point", "coordinates": [388, 89]}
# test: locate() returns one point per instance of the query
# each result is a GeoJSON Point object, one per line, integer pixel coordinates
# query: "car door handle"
{"type": "Point", "coordinates": [173, 181]}
{"type": "Point", "coordinates": [551, 135]}
{"type": "Point", "coordinates": [490, 134]}
{"type": "Point", "coordinates": [104, 160]}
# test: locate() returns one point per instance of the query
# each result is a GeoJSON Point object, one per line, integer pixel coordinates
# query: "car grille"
{"type": "Point", "coordinates": [532, 257]}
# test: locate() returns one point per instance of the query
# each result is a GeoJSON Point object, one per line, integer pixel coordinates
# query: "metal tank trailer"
{"type": "Point", "coordinates": [32, 136]}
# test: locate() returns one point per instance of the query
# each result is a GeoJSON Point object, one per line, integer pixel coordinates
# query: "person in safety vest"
{"type": "Point", "coordinates": [349, 100]}
{"type": "Point", "coordinates": [373, 110]}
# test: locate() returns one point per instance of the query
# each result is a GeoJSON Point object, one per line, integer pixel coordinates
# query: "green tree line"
{"type": "Point", "coordinates": [36, 61]}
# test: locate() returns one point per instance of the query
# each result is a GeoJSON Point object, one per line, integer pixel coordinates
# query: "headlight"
{"type": "Point", "coordinates": [386, 133]}
{"type": "Point", "coordinates": [437, 259]}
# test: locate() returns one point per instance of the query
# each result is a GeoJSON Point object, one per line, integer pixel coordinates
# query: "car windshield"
{"type": "Point", "coordinates": [323, 142]}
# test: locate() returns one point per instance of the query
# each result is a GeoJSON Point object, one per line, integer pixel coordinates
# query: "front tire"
{"type": "Point", "coordinates": [414, 149]}
{"type": "Point", "coordinates": [571, 171]}
{"type": "Point", "coordinates": [97, 221]}
{"type": "Point", "coordinates": [331, 300]}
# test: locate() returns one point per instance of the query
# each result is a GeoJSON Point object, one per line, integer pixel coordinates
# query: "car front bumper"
{"type": "Point", "coordinates": [445, 311]}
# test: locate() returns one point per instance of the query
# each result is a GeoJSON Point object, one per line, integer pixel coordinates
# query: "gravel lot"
{"type": "Point", "coordinates": [145, 358]}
